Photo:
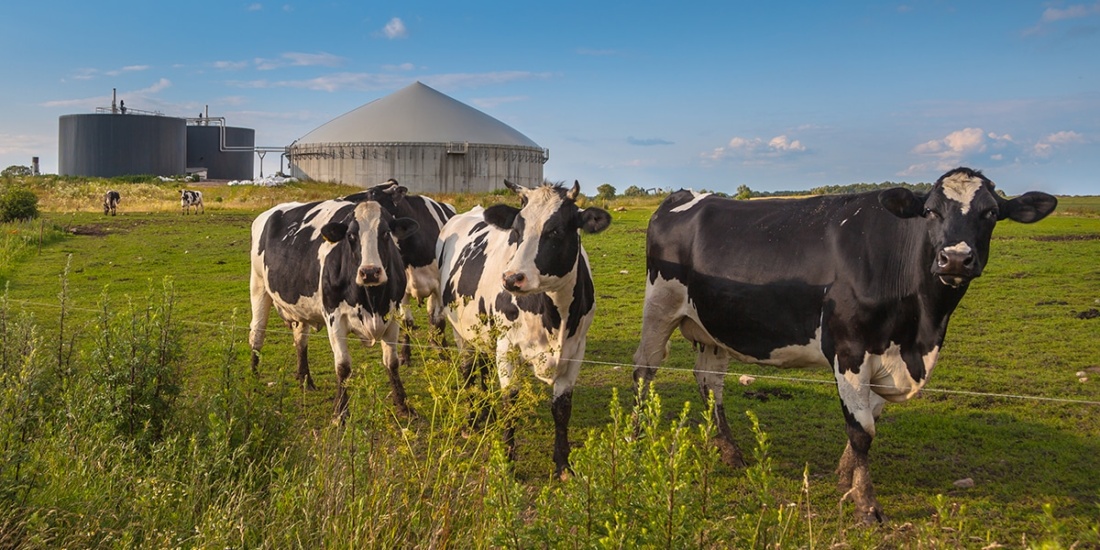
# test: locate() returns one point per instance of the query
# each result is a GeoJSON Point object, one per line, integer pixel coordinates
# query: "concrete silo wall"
{"type": "Point", "coordinates": [204, 151]}
{"type": "Point", "coordinates": [108, 145]}
{"type": "Point", "coordinates": [422, 167]}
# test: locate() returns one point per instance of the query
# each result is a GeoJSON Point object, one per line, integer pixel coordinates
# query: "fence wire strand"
{"type": "Point", "coordinates": [315, 335]}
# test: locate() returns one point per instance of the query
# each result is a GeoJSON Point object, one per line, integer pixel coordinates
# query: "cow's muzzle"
{"type": "Point", "coordinates": [956, 266]}
{"type": "Point", "coordinates": [516, 281]}
{"type": "Point", "coordinates": [371, 275]}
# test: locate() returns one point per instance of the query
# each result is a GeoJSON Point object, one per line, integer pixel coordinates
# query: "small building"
{"type": "Point", "coordinates": [426, 140]}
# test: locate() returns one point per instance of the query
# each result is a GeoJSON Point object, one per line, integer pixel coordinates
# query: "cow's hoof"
{"type": "Point", "coordinates": [729, 454]}
{"type": "Point", "coordinates": [564, 474]}
{"type": "Point", "coordinates": [871, 516]}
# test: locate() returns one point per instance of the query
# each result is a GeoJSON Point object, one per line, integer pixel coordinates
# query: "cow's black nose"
{"type": "Point", "coordinates": [955, 261]}
{"type": "Point", "coordinates": [370, 274]}
{"type": "Point", "coordinates": [514, 281]}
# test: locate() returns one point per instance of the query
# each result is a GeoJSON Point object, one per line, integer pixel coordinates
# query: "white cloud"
{"type": "Point", "coordinates": [1047, 145]}
{"type": "Point", "coordinates": [1072, 12]}
{"type": "Point", "coordinates": [255, 6]}
{"type": "Point", "coordinates": [395, 28]}
{"type": "Point", "coordinates": [230, 65]}
{"type": "Point", "coordinates": [1064, 137]}
{"type": "Point", "coordinates": [756, 149]}
{"type": "Point", "coordinates": [399, 68]}
{"type": "Point", "coordinates": [298, 59]}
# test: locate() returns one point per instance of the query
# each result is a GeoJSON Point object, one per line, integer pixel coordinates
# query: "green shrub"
{"type": "Point", "coordinates": [17, 204]}
{"type": "Point", "coordinates": [16, 170]}
{"type": "Point", "coordinates": [605, 191]}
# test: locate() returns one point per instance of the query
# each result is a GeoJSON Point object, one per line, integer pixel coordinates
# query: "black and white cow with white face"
{"type": "Point", "coordinates": [417, 250]}
{"type": "Point", "coordinates": [110, 202]}
{"type": "Point", "coordinates": [190, 198]}
{"type": "Point", "coordinates": [864, 284]}
{"type": "Point", "coordinates": [331, 263]}
{"type": "Point", "coordinates": [517, 285]}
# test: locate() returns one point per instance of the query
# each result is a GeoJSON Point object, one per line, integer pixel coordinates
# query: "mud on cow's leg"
{"type": "Point", "coordinates": [861, 409]}
{"type": "Point", "coordinates": [301, 346]}
{"type": "Point", "coordinates": [561, 409]}
{"type": "Point", "coordinates": [711, 364]}
{"type": "Point", "coordinates": [392, 364]}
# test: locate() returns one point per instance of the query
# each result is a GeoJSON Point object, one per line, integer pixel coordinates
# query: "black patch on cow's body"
{"type": "Point", "coordinates": [471, 263]}
{"type": "Point", "coordinates": [584, 297]}
{"type": "Point", "coordinates": [762, 276]}
{"type": "Point", "coordinates": [538, 304]}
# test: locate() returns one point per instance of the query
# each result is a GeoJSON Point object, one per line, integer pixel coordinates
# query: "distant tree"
{"type": "Point", "coordinates": [16, 170]}
{"type": "Point", "coordinates": [634, 191]}
{"type": "Point", "coordinates": [743, 192]}
{"type": "Point", "coordinates": [605, 192]}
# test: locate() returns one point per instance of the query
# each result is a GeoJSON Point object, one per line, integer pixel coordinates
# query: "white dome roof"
{"type": "Point", "coordinates": [417, 114]}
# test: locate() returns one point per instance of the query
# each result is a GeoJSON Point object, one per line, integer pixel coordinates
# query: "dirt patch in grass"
{"type": "Point", "coordinates": [88, 230]}
{"type": "Point", "coordinates": [1091, 313]}
{"type": "Point", "coordinates": [1075, 237]}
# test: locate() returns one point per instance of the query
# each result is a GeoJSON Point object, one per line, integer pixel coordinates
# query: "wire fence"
{"type": "Point", "coordinates": [316, 335]}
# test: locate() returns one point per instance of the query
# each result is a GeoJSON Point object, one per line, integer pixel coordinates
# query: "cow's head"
{"type": "Point", "coordinates": [960, 213]}
{"type": "Point", "coordinates": [389, 194]}
{"type": "Point", "coordinates": [370, 235]}
{"type": "Point", "coordinates": [545, 232]}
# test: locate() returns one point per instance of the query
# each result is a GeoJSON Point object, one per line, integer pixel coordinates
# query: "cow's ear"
{"type": "Point", "coordinates": [403, 227]}
{"type": "Point", "coordinates": [593, 220]}
{"type": "Point", "coordinates": [902, 202]}
{"type": "Point", "coordinates": [396, 192]}
{"type": "Point", "coordinates": [1028, 208]}
{"type": "Point", "coordinates": [501, 215]}
{"type": "Point", "coordinates": [334, 232]}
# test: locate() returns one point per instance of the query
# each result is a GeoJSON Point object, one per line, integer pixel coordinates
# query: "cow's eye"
{"type": "Point", "coordinates": [990, 214]}
{"type": "Point", "coordinates": [929, 212]}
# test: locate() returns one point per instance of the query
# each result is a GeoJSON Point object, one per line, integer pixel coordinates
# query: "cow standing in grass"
{"type": "Point", "coordinates": [110, 202]}
{"type": "Point", "coordinates": [417, 251]}
{"type": "Point", "coordinates": [864, 284]}
{"type": "Point", "coordinates": [332, 264]}
{"type": "Point", "coordinates": [190, 198]}
{"type": "Point", "coordinates": [516, 284]}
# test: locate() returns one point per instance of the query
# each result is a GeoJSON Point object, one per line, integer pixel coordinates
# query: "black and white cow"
{"type": "Point", "coordinates": [861, 283]}
{"type": "Point", "coordinates": [417, 250]}
{"type": "Point", "coordinates": [331, 263]}
{"type": "Point", "coordinates": [190, 198]}
{"type": "Point", "coordinates": [524, 272]}
{"type": "Point", "coordinates": [110, 202]}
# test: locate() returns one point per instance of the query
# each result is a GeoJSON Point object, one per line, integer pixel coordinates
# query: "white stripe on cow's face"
{"type": "Point", "coordinates": [961, 188]}
{"type": "Point", "coordinates": [687, 206]}
{"type": "Point", "coordinates": [369, 215]}
{"type": "Point", "coordinates": [542, 203]}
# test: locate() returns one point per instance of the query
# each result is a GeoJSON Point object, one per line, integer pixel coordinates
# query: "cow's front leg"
{"type": "Point", "coordinates": [861, 407]}
{"type": "Point", "coordinates": [338, 340]}
{"type": "Point", "coordinates": [408, 325]}
{"type": "Point", "coordinates": [301, 346]}
{"type": "Point", "coordinates": [711, 364]}
{"type": "Point", "coordinates": [504, 374]}
{"type": "Point", "coordinates": [562, 409]}
{"type": "Point", "coordinates": [392, 363]}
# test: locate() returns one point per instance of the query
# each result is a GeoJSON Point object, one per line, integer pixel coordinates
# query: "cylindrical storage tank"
{"type": "Point", "coordinates": [427, 141]}
{"type": "Point", "coordinates": [107, 145]}
{"type": "Point", "coordinates": [204, 150]}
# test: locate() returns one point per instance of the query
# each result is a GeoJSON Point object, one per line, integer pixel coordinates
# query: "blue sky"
{"type": "Point", "coordinates": [709, 95]}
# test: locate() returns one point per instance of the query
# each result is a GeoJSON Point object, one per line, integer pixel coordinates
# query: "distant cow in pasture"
{"type": "Point", "coordinates": [864, 284]}
{"type": "Point", "coordinates": [191, 198]}
{"type": "Point", "coordinates": [332, 263]}
{"type": "Point", "coordinates": [516, 284]}
{"type": "Point", "coordinates": [110, 202]}
{"type": "Point", "coordinates": [417, 250]}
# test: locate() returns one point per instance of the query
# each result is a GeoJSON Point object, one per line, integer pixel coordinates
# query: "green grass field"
{"type": "Point", "coordinates": [1006, 406]}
